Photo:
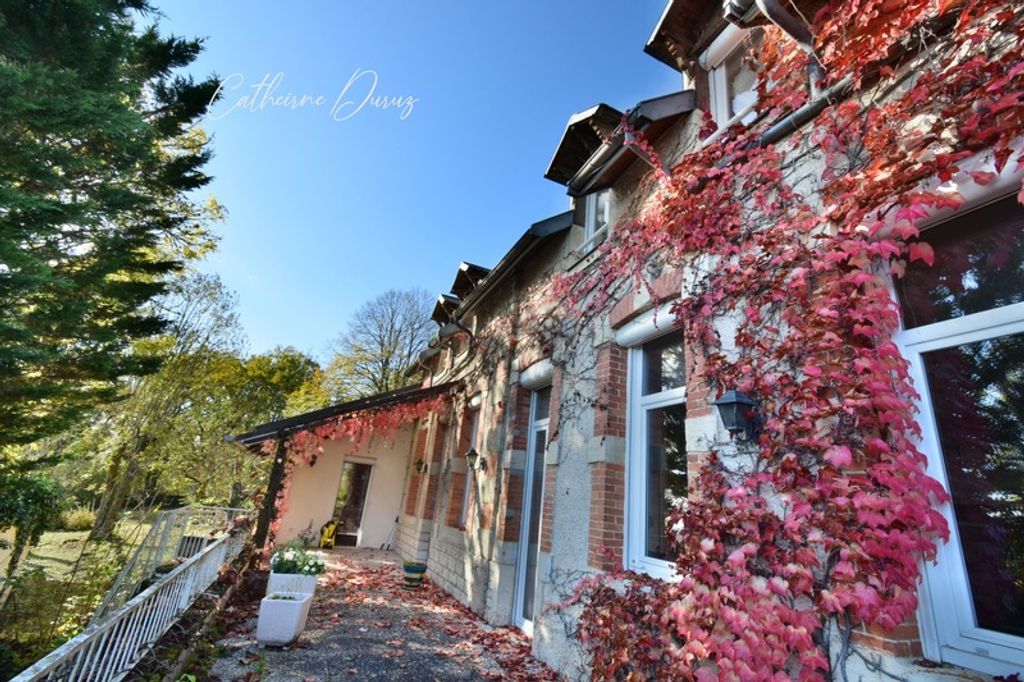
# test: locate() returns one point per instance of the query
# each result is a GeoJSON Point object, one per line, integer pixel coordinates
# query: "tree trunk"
{"type": "Point", "coordinates": [123, 468]}
{"type": "Point", "coordinates": [103, 527]}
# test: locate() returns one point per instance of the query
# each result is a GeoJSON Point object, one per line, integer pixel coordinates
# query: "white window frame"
{"type": "Point", "coordinates": [634, 335]}
{"type": "Point", "coordinates": [712, 60]}
{"type": "Point", "coordinates": [948, 628]}
{"type": "Point", "coordinates": [592, 234]}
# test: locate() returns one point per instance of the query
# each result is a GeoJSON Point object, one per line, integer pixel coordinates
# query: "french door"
{"type": "Point", "coordinates": [533, 494]}
{"type": "Point", "coordinates": [964, 338]}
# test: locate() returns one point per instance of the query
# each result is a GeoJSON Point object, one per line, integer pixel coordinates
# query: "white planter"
{"type": "Point", "coordinates": [291, 582]}
{"type": "Point", "coordinates": [282, 620]}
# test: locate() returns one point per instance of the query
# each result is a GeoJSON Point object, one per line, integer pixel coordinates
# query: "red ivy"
{"type": "Point", "coordinates": [305, 447]}
{"type": "Point", "coordinates": [829, 526]}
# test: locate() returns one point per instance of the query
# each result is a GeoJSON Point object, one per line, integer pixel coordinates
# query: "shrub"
{"type": "Point", "coordinates": [80, 518]}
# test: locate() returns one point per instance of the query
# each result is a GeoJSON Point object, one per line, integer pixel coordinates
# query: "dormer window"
{"type": "Point", "coordinates": [597, 214]}
{"type": "Point", "coordinates": [732, 77]}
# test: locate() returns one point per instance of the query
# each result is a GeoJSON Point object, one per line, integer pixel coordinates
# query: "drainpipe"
{"type": "Point", "coordinates": [805, 113]}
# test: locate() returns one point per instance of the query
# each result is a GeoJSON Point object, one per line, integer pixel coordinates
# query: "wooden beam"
{"type": "Point", "coordinates": [273, 488]}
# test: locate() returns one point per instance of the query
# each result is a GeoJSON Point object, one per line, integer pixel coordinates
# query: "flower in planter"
{"type": "Point", "coordinates": [297, 560]}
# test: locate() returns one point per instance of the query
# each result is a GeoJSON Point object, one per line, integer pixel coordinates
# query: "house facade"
{"type": "Point", "coordinates": [567, 443]}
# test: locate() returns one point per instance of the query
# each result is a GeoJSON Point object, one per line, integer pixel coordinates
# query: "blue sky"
{"type": "Point", "coordinates": [324, 214]}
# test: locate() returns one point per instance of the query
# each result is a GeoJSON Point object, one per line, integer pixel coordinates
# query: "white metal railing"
{"type": "Point", "coordinates": [107, 652]}
{"type": "Point", "coordinates": [176, 534]}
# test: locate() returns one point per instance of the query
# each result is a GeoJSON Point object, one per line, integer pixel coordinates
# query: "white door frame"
{"type": "Point", "coordinates": [372, 463]}
{"type": "Point", "coordinates": [946, 609]}
{"type": "Point", "coordinates": [524, 525]}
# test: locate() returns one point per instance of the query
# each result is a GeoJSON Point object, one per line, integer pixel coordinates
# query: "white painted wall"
{"type": "Point", "coordinates": [314, 489]}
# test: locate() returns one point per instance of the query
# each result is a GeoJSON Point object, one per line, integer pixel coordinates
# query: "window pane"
{"type": "Point", "coordinates": [474, 427]}
{"type": "Point", "coordinates": [533, 537]}
{"type": "Point", "coordinates": [602, 209]}
{"type": "Point", "coordinates": [664, 364]}
{"type": "Point", "coordinates": [666, 471]}
{"type": "Point", "coordinates": [979, 265]}
{"type": "Point", "coordinates": [741, 80]}
{"type": "Point", "coordinates": [977, 393]}
{"type": "Point", "coordinates": [541, 403]}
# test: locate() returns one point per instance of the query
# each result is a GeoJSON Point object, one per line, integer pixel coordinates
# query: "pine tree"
{"type": "Point", "coordinates": [97, 160]}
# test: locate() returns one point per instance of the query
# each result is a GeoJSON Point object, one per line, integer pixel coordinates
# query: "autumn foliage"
{"type": "Point", "coordinates": [822, 523]}
{"type": "Point", "coordinates": [358, 428]}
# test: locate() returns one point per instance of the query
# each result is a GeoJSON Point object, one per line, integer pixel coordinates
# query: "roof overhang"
{"type": "Point", "coordinates": [443, 309]}
{"type": "Point", "coordinates": [284, 427]}
{"type": "Point", "coordinates": [606, 164]}
{"type": "Point", "coordinates": [466, 278]}
{"type": "Point", "coordinates": [684, 27]}
{"type": "Point", "coordinates": [531, 239]}
{"type": "Point", "coordinates": [585, 132]}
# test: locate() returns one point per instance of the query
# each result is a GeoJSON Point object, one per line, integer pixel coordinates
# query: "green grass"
{"type": "Point", "coordinates": [58, 550]}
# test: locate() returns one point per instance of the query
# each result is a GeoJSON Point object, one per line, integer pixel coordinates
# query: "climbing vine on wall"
{"type": "Point", "coordinates": [789, 251]}
{"type": "Point", "coordinates": [359, 428]}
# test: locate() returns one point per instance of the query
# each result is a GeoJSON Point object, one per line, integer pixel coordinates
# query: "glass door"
{"type": "Point", "coordinates": [533, 494]}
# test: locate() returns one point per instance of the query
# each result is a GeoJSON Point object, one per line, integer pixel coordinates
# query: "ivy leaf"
{"type": "Point", "coordinates": [922, 251]}
{"type": "Point", "coordinates": [839, 456]}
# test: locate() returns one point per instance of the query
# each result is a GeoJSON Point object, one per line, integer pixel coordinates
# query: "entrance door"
{"type": "Point", "coordinates": [348, 508]}
{"type": "Point", "coordinates": [533, 493]}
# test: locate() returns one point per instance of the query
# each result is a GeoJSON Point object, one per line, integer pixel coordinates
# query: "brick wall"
{"type": "Point", "coordinates": [607, 497]}
{"type": "Point", "coordinates": [412, 495]}
{"type": "Point", "coordinates": [510, 507]}
{"type": "Point", "coordinates": [547, 517]}
{"type": "Point", "coordinates": [433, 479]}
{"type": "Point", "coordinates": [698, 394]}
{"type": "Point", "coordinates": [520, 400]}
{"type": "Point", "coordinates": [903, 640]}
{"type": "Point", "coordinates": [430, 498]}
{"type": "Point", "coordinates": [610, 412]}
{"type": "Point", "coordinates": [454, 516]}
{"type": "Point", "coordinates": [664, 288]}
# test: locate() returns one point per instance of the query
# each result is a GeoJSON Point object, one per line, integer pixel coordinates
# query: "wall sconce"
{"type": "Point", "coordinates": [739, 415]}
{"type": "Point", "coordinates": [474, 458]}
{"type": "Point", "coordinates": [421, 466]}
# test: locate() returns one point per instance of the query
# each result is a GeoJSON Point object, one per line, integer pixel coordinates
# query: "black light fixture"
{"type": "Point", "coordinates": [421, 466]}
{"type": "Point", "coordinates": [739, 415]}
{"type": "Point", "coordinates": [473, 459]}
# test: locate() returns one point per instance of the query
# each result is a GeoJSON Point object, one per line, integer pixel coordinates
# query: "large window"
{"type": "Point", "coordinates": [964, 336]}
{"type": "Point", "coordinates": [657, 449]}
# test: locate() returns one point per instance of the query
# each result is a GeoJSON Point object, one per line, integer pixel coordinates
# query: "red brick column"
{"type": "Point", "coordinates": [610, 415]}
{"type": "Point", "coordinates": [607, 479]}
{"type": "Point", "coordinates": [454, 515]}
{"type": "Point", "coordinates": [607, 498]}
{"type": "Point", "coordinates": [547, 517]}
{"type": "Point", "coordinates": [436, 453]}
{"type": "Point", "coordinates": [419, 449]}
{"type": "Point", "coordinates": [412, 495]}
{"type": "Point", "coordinates": [510, 506]}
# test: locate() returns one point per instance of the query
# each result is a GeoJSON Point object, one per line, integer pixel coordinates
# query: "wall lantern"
{"type": "Point", "coordinates": [739, 415]}
{"type": "Point", "coordinates": [421, 466]}
{"type": "Point", "coordinates": [473, 459]}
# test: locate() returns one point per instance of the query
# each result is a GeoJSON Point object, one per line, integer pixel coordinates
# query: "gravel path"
{"type": "Point", "coordinates": [363, 625]}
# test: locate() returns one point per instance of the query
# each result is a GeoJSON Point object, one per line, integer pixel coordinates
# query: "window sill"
{"type": "Point", "coordinates": [585, 253]}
